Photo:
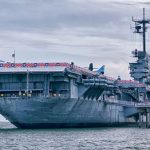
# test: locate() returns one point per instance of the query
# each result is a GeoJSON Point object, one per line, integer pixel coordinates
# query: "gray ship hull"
{"type": "Point", "coordinates": [54, 112]}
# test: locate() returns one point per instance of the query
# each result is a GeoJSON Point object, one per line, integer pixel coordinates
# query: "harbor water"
{"type": "Point", "coordinates": [128, 138]}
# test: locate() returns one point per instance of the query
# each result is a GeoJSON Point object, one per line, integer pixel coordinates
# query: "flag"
{"type": "Point", "coordinates": [13, 55]}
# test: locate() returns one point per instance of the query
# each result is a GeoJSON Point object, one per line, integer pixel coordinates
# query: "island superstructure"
{"type": "Point", "coordinates": [140, 70]}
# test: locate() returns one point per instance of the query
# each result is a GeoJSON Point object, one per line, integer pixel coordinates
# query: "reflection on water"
{"type": "Point", "coordinates": [12, 138]}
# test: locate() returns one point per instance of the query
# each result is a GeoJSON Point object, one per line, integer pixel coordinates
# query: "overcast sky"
{"type": "Point", "coordinates": [82, 31]}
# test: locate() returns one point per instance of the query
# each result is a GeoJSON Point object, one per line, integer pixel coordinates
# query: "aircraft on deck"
{"type": "Point", "coordinates": [100, 70]}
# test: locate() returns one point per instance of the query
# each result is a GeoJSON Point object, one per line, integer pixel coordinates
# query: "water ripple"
{"type": "Point", "coordinates": [12, 138]}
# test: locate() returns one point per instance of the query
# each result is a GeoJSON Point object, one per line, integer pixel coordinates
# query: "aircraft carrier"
{"type": "Point", "coordinates": [46, 95]}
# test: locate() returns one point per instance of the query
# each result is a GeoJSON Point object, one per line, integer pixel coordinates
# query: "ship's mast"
{"type": "Point", "coordinates": [140, 27]}
{"type": "Point", "coordinates": [144, 31]}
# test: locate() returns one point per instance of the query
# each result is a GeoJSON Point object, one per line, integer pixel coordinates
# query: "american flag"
{"type": "Point", "coordinates": [13, 55]}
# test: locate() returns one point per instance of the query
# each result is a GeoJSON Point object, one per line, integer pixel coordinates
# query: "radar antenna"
{"type": "Point", "coordinates": [140, 27]}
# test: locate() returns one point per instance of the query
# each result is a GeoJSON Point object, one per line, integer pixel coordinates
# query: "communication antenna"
{"type": "Point", "coordinates": [140, 27]}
